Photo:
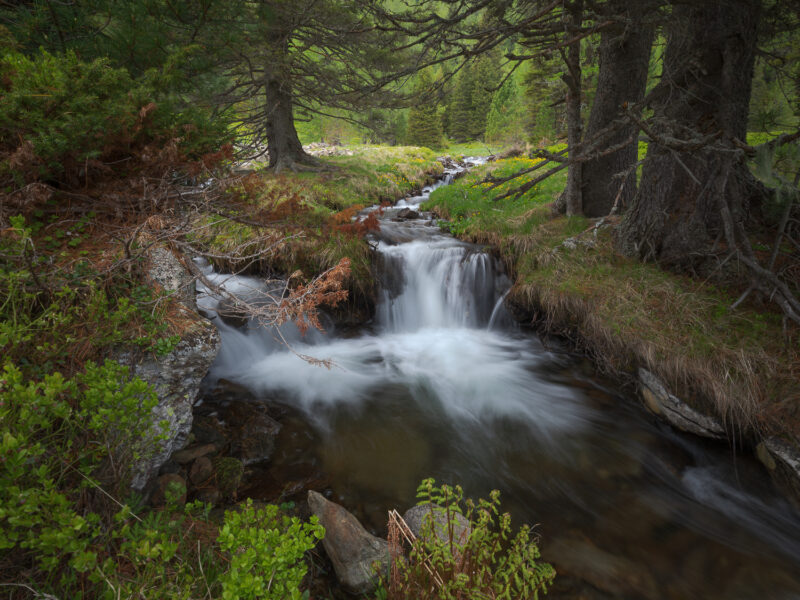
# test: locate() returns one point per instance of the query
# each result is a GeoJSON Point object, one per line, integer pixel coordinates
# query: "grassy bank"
{"type": "Point", "coordinates": [737, 364]}
{"type": "Point", "coordinates": [302, 221]}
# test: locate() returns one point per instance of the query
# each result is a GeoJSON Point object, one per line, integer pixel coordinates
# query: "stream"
{"type": "Point", "coordinates": [443, 383]}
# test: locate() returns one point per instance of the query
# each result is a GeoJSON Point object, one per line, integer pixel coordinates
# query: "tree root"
{"type": "Point", "coordinates": [763, 279]}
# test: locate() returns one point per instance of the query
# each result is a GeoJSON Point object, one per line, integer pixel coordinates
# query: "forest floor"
{"type": "Point", "coordinates": [740, 365]}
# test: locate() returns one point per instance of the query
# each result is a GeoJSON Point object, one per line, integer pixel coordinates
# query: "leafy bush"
{"type": "Point", "coordinates": [490, 563]}
{"type": "Point", "coordinates": [64, 119]}
{"type": "Point", "coordinates": [266, 551]}
{"type": "Point", "coordinates": [57, 437]}
{"type": "Point", "coordinates": [62, 532]}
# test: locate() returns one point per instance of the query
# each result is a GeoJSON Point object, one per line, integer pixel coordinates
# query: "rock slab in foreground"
{"type": "Point", "coordinates": [674, 411]}
{"type": "Point", "coordinates": [351, 548]}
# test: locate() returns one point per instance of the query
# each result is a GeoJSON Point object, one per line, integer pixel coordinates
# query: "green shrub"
{"type": "Point", "coordinates": [229, 472]}
{"type": "Point", "coordinates": [266, 551]}
{"type": "Point", "coordinates": [57, 437]}
{"type": "Point", "coordinates": [489, 564]}
{"type": "Point", "coordinates": [59, 114]}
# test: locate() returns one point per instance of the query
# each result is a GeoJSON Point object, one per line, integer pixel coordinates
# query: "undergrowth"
{"type": "Point", "coordinates": [94, 165]}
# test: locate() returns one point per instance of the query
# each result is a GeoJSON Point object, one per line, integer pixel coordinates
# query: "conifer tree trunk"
{"type": "Point", "coordinates": [283, 144]}
{"type": "Point", "coordinates": [573, 16]}
{"type": "Point", "coordinates": [676, 217]}
{"type": "Point", "coordinates": [624, 61]}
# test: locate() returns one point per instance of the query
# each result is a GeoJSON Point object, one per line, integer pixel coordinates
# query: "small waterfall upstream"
{"type": "Point", "coordinates": [443, 383]}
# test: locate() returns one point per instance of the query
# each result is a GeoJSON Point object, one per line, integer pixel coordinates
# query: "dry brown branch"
{"type": "Point", "coordinates": [398, 528]}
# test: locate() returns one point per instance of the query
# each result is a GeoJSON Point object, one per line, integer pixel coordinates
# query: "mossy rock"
{"type": "Point", "coordinates": [229, 474]}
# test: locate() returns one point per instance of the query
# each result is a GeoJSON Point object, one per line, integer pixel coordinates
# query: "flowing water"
{"type": "Point", "coordinates": [442, 383]}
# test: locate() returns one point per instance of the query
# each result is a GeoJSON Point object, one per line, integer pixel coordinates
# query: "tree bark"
{"type": "Point", "coordinates": [704, 90]}
{"type": "Point", "coordinates": [283, 144]}
{"type": "Point", "coordinates": [624, 61]}
{"type": "Point", "coordinates": [573, 15]}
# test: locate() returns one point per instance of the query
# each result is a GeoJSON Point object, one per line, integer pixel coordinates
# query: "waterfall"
{"type": "Point", "coordinates": [431, 339]}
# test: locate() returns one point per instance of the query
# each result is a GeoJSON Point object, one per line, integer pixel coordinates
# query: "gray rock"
{"type": "Point", "coordinates": [242, 426]}
{"type": "Point", "coordinates": [354, 552]}
{"type": "Point", "coordinates": [209, 429]}
{"type": "Point", "coordinates": [782, 459]}
{"type": "Point", "coordinates": [407, 214]}
{"type": "Point", "coordinates": [168, 272]}
{"type": "Point", "coordinates": [253, 432]}
{"type": "Point", "coordinates": [674, 411]}
{"type": "Point", "coordinates": [420, 515]}
{"type": "Point", "coordinates": [176, 378]}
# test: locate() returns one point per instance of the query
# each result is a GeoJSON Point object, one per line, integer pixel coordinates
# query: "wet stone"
{"type": "Point", "coordinates": [187, 455]}
{"type": "Point", "coordinates": [419, 518]}
{"type": "Point", "coordinates": [407, 214]}
{"type": "Point", "coordinates": [201, 472]}
{"type": "Point", "coordinates": [354, 552]}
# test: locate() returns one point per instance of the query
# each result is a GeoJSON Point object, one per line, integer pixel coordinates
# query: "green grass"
{"type": "Point", "coordinates": [473, 148]}
{"type": "Point", "coordinates": [372, 174]}
{"type": "Point", "coordinates": [735, 363]}
{"type": "Point", "coordinates": [470, 205]}
{"type": "Point", "coordinates": [304, 240]}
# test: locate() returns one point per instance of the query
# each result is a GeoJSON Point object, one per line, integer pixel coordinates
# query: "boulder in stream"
{"type": "Point", "coordinates": [231, 418]}
{"type": "Point", "coordinates": [357, 556]}
{"type": "Point", "coordinates": [407, 214]}
{"type": "Point", "coordinates": [176, 378]}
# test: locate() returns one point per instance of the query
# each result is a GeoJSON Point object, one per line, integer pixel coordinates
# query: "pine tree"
{"type": "Point", "coordinates": [486, 77]}
{"type": "Point", "coordinates": [461, 107]}
{"type": "Point", "coordinates": [424, 123]}
{"type": "Point", "coordinates": [543, 91]}
{"type": "Point", "coordinates": [506, 115]}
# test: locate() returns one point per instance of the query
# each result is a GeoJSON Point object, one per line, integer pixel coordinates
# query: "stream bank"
{"type": "Point", "coordinates": [671, 339]}
{"type": "Point", "coordinates": [443, 383]}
